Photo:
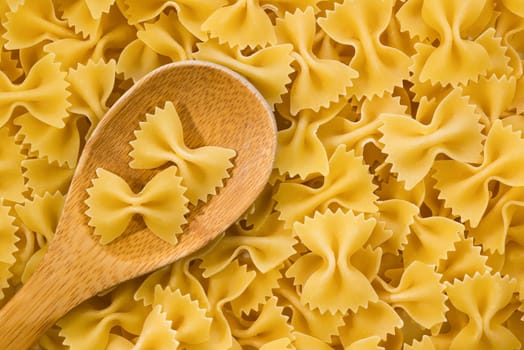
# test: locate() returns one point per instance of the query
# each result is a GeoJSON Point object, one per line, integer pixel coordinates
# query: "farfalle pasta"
{"type": "Point", "coordinates": [160, 140]}
{"type": "Point", "coordinates": [464, 59]}
{"type": "Point", "coordinates": [319, 81]}
{"type": "Point", "coordinates": [332, 239]}
{"type": "Point", "coordinates": [486, 308]}
{"type": "Point", "coordinates": [380, 67]}
{"type": "Point", "coordinates": [161, 203]}
{"type": "Point", "coordinates": [393, 216]}
{"type": "Point", "coordinates": [44, 82]}
{"type": "Point", "coordinates": [412, 146]}
{"type": "Point", "coordinates": [502, 153]}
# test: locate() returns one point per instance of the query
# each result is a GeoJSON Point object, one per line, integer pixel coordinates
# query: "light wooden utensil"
{"type": "Point", "coordinates": [217, 107]}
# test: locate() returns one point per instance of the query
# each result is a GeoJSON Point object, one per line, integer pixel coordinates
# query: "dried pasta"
{"type": "Point", "coordinates": [161, 198]}
{"type": "Point", "coordinates": [160, 140]}
{"type": "Point", "coordinates": [393, 218]}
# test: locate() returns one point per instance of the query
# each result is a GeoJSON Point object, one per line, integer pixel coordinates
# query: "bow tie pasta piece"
{"type": "Point", "coordinates": [360, 24]}
{"type": "Point", "coordinates": [8, 247]}
{"type": "Point", "coordinates": [412, 146]}
{"type": "Point", "coordinates": [318, 81]}
{"type": "Point", "coordinates": [91, 85]}
{"type": "Point", "coordinates": [485, 299]}
{"type": "Point", "coordinates": [348, 185]}
{"type": "Point", "coordinates": [464, 187]}
{"type": "Point", "coordinates": [244, 23]}
{"type": "Point", "coordinates": [161, 203]}
{"type": "Point", "coordinates": [160, 140]}
{"type": "Point", "coordinates": [192, 13]}
{"type": "Point", "coordinates": [268, 69]}
{"type": "Point", "coordinates": [32, 23]}
{"type": "Point", "coordinates": [44, 82]}
{"type": "Point", "coordinates": [11, 178]}
{"type": "Point", "coordinates": [455, 60]}
{"type": "Point", "coordinates": [329, 280]}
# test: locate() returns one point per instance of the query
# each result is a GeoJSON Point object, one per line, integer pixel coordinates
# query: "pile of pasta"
{"type": "Point", "coordinates": [394, 218]}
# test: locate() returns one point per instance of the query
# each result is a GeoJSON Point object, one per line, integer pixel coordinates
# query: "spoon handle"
{"type": "Point", "coordinates": [54, 289]}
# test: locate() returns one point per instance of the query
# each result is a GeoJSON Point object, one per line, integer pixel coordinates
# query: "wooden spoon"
{"type": "Point", "coordinates": [217, 107]}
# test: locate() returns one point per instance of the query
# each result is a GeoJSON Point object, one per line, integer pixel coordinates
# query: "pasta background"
{"type": "Point", "coordinates": [394, 215]}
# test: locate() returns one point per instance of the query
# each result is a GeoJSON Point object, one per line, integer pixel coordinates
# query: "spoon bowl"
{"type": "Point", "coordinates": [217, 107]}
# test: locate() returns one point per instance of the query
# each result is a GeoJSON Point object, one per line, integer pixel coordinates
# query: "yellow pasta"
{"type": "Point", "coordinates": [44, 82]}
{"type": "Point", "coordinates": [379, 67]}
{"type": "Point", "coordinates": [412, 146]}
{"type": "Point", "coordinates": [393, 216]}
{"type": "Point", "coordinates": [160, 140]}
{"type": "Point", "coordinates": [161, 198]}
{"type": "Point", "coordinates": [332, 239]}
{"type": "Point", "coordinates": [486, 309]}
{"type": "Point", "coordinates": [319, 81]}
{"type": "Point", "coordinates": [502, 153]}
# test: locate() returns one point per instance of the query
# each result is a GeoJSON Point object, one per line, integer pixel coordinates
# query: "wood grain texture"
{"type": "Point", "coordinates": [217, 107]}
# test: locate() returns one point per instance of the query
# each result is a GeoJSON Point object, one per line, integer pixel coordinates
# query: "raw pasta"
{"type": "Point", "coordinates": [161, 203]}
{"type": "Point", "coordinates": [394, 215]}
{"type": "Point", "coordinates": [160, 140]}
